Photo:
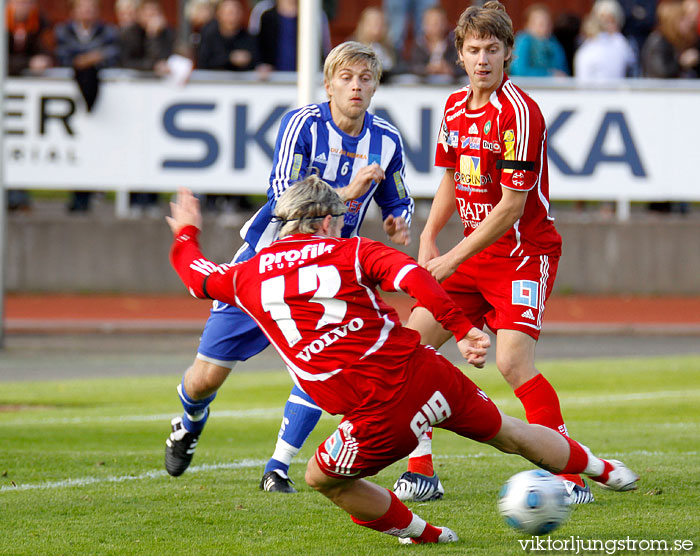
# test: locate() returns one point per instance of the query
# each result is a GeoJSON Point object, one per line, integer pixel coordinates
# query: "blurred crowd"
{"type": "Point", "coordinates": [616, 39]}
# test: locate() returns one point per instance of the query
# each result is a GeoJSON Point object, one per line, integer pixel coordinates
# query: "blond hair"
{"type": "Point", "coordinates": [350, 53]}
{"type": "Point", "coordinates": [483, 22]}
{"type": "Point", "coordinates": [302, 208]}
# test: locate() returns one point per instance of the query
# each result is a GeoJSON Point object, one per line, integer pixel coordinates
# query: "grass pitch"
{"type": "Point", "coordinates": [81, 469]}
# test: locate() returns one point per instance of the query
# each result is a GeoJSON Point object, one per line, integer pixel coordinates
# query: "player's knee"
{"type": "Point", "coordinates": [203, 378]}
{"type": "Point", "coordinates": [511, 436]}
{"type": "Point", "coordinates": [314, 477]}
{"type": "Point", "coordinates": [514, 369]}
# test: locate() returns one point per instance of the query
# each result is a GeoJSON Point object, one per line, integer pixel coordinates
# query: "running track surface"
{"type": "Point", "coordinates": [62, 312]}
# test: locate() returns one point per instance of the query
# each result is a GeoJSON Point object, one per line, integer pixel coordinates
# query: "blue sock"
{"type": "Point", "coordinates": [196, 411]}
{"type": "Point", "coordinates": [300, 417]}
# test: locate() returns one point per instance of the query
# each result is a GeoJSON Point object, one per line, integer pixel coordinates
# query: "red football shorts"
{"type": "Point", "coordinates": [436, 393]}
{"type": "Point", "coordinates": [504, 292]}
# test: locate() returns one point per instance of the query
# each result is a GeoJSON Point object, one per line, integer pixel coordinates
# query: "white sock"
{"type": "Point", "coordinates": [595, 465]}
{"type": "Point", "coordinates": [284, 452]}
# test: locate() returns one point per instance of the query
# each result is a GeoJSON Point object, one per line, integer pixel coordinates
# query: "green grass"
{"type": "Point", "coordinates": [86, 458]}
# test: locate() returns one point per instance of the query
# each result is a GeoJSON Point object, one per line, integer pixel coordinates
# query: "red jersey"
{"type": "Point", "coordinates": [502, 144]}
{"type": "Point", "coordinates": [316, 300]}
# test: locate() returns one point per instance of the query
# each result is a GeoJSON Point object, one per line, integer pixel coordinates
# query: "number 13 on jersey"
{"type": "Point", "coordinates": [324, 281]}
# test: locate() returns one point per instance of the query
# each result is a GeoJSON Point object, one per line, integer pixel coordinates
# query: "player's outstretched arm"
{"type": "Point", "coordinates": [474, 347]}
{"type": "Point", "coordinates": [184, 211]}
{"type": "Point", "coordinates": [203, 278]}
{"type": "Point", "coordinates": [440, 212]}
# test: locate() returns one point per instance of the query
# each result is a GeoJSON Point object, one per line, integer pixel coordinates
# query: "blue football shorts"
{"type": "Point", "coordinates": [229, 336]}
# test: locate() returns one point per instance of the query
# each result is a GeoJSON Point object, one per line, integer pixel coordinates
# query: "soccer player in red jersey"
{"type": "Point", "coordinates": [315, 297]}
{"type": "Point", "coordinates": [493, 147]}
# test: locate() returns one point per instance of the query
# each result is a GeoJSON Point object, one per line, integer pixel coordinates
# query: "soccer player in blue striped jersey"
{"type": "Point", "coordinates": [359, 154]}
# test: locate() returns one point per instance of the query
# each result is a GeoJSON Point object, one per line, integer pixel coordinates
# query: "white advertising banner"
{"type": "Point", "coordinates": [617, 144]}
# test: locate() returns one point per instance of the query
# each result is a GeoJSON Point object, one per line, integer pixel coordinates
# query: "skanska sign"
{"type": "Point", "coordinates": [629, 144]}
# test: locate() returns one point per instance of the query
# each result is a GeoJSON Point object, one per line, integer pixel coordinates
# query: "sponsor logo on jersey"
{"type": "Point", "coordinates": [353, 206]}
{"type": "Point", "coordinates": [453, 139]}
{"type": "Point", "coordinates": [469, 177]}
{"type": "Point", "coordinates": [283, 259]}
{"type": "Point", "coordinates": [470, 143]}
{"type": "Point", "coordinates": [526, 292]}
{"type": "Point", "coordinates": [329, 338]}
{"type": "Point", "coordinates": [472, 213]}
{"type": "Point", "coordinates": [509, 148]}
{"type": "Point", "coordinates": [473, 130]}
{"type": "Point", "coordinates": [334, 444]}
{"type": "Point", "coordinates": [400, 187]}
{"type": "Point", "coordinates": [487, 127]}
{"type": "Point", "coordinates": [296, 167]}
{"type": "Point", "coordinates": [341, 448]}
{"type": "Point", "coordinates": [455, 115]}
{"type": "Point", "coordinates": [321, 158]}
{"type": "Point", "coordinates": [342, 152]}
{"type": "Point", "coordinates": [494, 147]}
{"type": "Point", "coordinates": [518, 178]}
{"type": "Point", "coordinates": [443, 135]}
{"type": "Point", "coordinates": [434, 411]}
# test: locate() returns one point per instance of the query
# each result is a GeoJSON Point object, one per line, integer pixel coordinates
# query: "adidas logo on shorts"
{"type": "Point", "coordinates": [528, 314]}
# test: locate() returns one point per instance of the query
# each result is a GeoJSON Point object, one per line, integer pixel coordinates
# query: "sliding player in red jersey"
{"type": "Point", "coordinates": [315, 296]}
{"type": "Point", "coordinates": [493, 147]}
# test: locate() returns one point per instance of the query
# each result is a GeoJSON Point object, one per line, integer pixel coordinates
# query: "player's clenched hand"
{"type": "Point", "coordinates": [184, 211]}
{"type": "Point", "coordinates": [442, 267]}
{"type": "Point", "coordinates": [427, 251]}
{"type": "Point", "coordinates": [474, 347]}
{"type": "Point", "coordinates": [361, 182]}
{"type": "Point", "coordinates": [397, 229]}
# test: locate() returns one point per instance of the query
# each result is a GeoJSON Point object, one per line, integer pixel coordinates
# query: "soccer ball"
{"type": "Point", "coordinates": [534, 501]}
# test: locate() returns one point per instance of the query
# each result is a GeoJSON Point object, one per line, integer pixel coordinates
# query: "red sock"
{"type": "Point", "coordinates": [423, 464]}
{"type": "Point", "coordinates": [578, 458]}
{"type": "Point", "coordinates": [541, 405]}
{"type": "Point", "coordinates": [400, 521]}
{"type": "Point", "coordinates": [605, 475]}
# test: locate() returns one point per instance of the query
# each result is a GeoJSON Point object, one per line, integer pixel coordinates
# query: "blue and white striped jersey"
{"type": "Point", "coordinates": [309, 141]}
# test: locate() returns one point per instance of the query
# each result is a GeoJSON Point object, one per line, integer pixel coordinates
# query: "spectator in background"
{"type": "Point", "coordinates": [277, 40]}
{"type": "Point", "coordinates": [159, 37]}
{"type": "Point", "coordinates": [605, 53]}
{"type": "Point", "coordinates": [261, 6]}
{"type": "Point", "coordinates": [671, 49]}
{"type": "Point", "coordinates": [87, 45]}
{"type": "Point", "coordinates": [226, 44]}
{"type": "Point", "coordinates": [372, 31]}
{"type": "Point", "coordinates": [434, 55]}
{"type": "Point", "coordinates": [130, 33]}
{"type": "Point", "coordinates": [158, 40]}
{"type": "Point", "coordinates": [567, 30]}
{"type": "Point", "coordinates": [537, 53]}
{"type": "Point", "coordinates": [399, 13]}
{"type": "Point", "coordinates": [199, 15]}
{"type": "Point", "coordinates": [640, 17]}
{"type": "Point", "coordinates": [27, 50]}
{"type": "Point", "coordinates": [28, 38]}
{"type": "Point", "coordinates": [146, 40]}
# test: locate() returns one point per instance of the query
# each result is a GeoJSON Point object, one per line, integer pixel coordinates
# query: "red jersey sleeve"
{"type": "Point", "coordinates": [522, 142]}
{"type": "Point", "coordinates": [448, 137]}
{"type": "Point", "coordinates": [393, 270]}
{"type": "Point", "coordinates": [203, 278]}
